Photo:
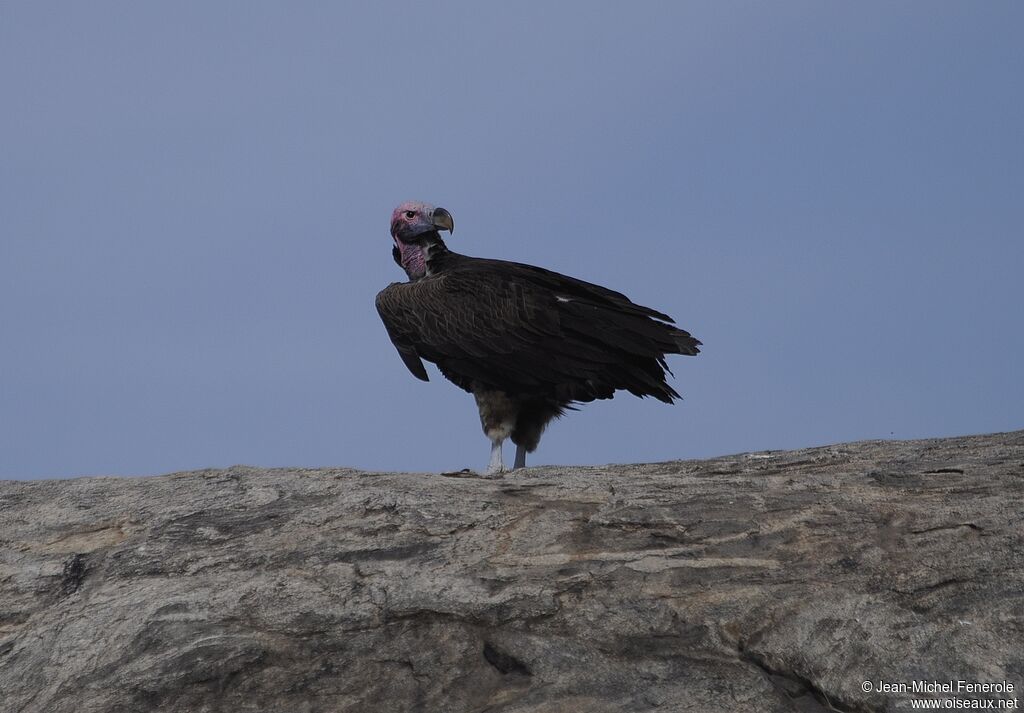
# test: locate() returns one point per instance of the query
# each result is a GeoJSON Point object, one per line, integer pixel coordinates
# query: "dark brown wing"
{"type": "Point", "coordinates": [391, 308]}
{"type": "Point", "coordinates": [605, 300]}
{"type": "Point", "coordinates": [525, 330]}
{"type": "Point", "coordinates": [474, 329]}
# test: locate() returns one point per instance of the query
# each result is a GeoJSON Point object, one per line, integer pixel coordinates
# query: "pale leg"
{"type": "Point", "coordinates": [520, 458]}
{"type": "Point", "coordinates": [497, 465]}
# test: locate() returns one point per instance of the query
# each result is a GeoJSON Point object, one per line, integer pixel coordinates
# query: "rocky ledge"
{"type": "Point", "coordinates": [809, 580]}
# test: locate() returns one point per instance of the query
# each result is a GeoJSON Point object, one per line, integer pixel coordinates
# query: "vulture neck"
{"type": "Point", "coordinates": [425, 257]}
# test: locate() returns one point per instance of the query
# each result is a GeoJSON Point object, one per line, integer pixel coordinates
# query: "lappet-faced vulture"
{"type": "Point", "coordinates": [528, 343]}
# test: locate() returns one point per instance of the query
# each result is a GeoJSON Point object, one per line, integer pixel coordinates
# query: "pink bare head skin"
{"type": "Point", "coordinates": [414, 218]}
{"type": "Point", "coordinates": [413, 224]}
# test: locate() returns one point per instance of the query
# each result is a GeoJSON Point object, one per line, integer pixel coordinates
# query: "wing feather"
{"type": "Point", "coordinates": [389, 307]}
{"type": "Point", "coordinates": [528, 330]}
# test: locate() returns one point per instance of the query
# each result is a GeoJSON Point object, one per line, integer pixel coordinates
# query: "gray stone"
{"type": "Point", "coordinates": [772, 581]}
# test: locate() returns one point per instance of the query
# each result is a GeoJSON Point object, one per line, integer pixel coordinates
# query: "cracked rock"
{"type": "Point", "coordinates": [777, 581]}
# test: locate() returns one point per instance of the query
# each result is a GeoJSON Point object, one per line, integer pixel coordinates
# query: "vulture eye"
{"type": "Point", "coordinates": [410, 214]}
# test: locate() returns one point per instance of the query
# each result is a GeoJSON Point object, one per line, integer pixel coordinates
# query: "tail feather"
{"type": "Point", "coordinates": [687, 344]}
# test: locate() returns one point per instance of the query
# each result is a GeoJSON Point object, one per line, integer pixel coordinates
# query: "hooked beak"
{"type": "Point", "coordinates": [443, 220]}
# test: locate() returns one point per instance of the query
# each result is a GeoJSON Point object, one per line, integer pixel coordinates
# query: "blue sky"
{"type": "Point", "coordinates": [194, 205]}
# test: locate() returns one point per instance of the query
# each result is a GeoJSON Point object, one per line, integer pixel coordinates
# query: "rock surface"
{"type": "Point", "coordinates": [773, 581]}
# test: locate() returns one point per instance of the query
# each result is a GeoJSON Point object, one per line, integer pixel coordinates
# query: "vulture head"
{"type": "Point", "coordinates": [413, 224]}
{"type": "Point", "coordinates": [412, 219]}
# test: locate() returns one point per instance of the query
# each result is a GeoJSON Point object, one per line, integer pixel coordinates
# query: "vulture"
{"type": "Point", "coordinates": [528, 343]}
